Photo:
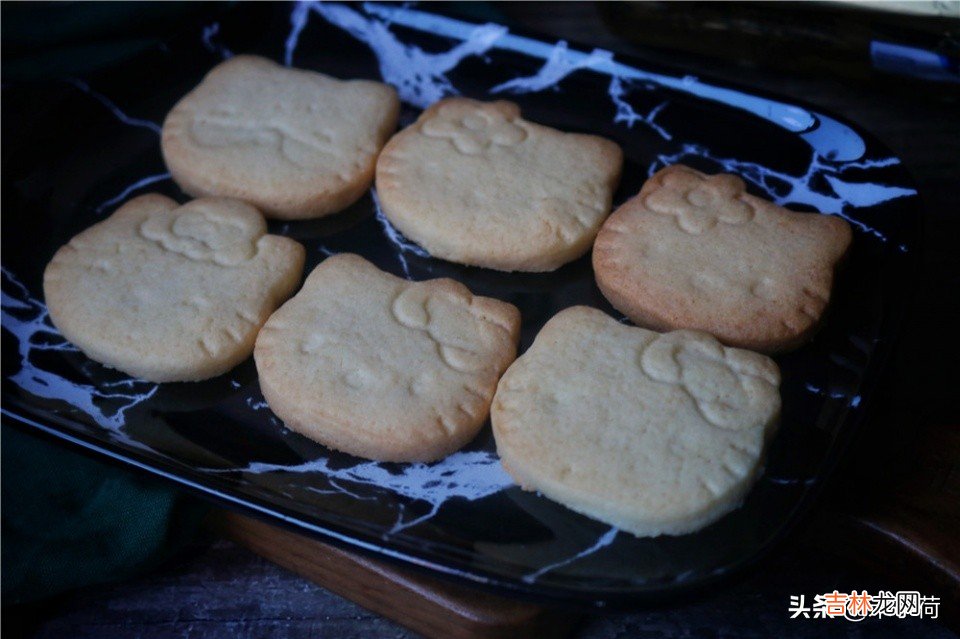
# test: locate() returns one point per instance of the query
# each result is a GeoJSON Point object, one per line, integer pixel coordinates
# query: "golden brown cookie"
{"type": "Point", "coordinates": [171, 293]}
{"type": "Point", "coordinates": [297, 144]}
{"type": "Point", "coordinates": [383, 368]}
{"type": "Point", "coordinates": [653, 433]}
{"type": "Point", "coordinates": [698, 251]}
{"type": "Point", "coordinates": [473, 182]}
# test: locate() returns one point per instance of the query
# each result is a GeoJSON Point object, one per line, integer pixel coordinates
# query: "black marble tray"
{"type": "Point", "coordinates": [75, 150]}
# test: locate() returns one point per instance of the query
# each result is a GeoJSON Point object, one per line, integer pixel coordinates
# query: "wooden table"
{"type": "Point", "coordinates": [223, 591]}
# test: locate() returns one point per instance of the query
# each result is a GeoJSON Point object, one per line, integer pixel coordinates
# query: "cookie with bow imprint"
{"type": "Point", "coordinates": [171, 293]}
{"type": "Point", "coordinates": [473, 182]}
{"type": "Point", "coordinates": [384, 368]}
{"type": "Point", "coordinates": [697, 251]}
{"type": "Point", "coordinates": [297, 144]}
{"type": "Point", "coordinates": [655, 433]}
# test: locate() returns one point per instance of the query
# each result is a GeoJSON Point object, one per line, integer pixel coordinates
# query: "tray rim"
{"type": "Point", "coordinates": [888, 336]}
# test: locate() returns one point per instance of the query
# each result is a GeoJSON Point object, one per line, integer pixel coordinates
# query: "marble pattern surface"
{"type": "Point", "coordinates": [841, 178]}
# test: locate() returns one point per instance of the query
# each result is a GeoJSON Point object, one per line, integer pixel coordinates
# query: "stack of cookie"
{"type": "Point", "coordinates": [654, 432]}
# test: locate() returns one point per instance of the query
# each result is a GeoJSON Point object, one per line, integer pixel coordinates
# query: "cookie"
{"type": "Point", "coordinates": [297, 144]}
{"type": "Point", "coordinates": [379, 367]}
{"type": "Point", "coordinates": [698, 251]}
{"type": "Point", "coordinates": [655, 433]}
{"type": "Point", "coordinates": [171, 293]}
{"type": "Point", "coordinates": [473, 182]}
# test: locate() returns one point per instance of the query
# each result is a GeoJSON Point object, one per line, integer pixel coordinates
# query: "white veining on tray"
{"type": "Point", "coordinates": [422, 77]}
{"type": "Point", "coordinates": [784, 188]}
{"type": "Point", "coordinates": [790, 481]}
{"type": "Point", "coordinates": [466, 475]}
{"type": "Point", "coordinates": [130, 121]}
{"type": "Point", "coordinates": [558, 65]}
{"type": "Point", "coordinates": [396, 238]}
{"type": "Point", "coordinates": [852, 400]}
{"type": "Point", "coordinates": [603, 541]}
{"type": "Point", "coordinates": [128, 190]}
{"type": "Point", "coordinates": [28, 320]}
{"type": "Point", "coordinates": [338, 489]}
{"type": "Point", "coordinates": [835, 147]}
{"type": "Point", "coordinates": [210, 33]}
{"type": "Point", "coordinates": [469, 475]}
{"type": "Point", "coordinates": [829, 138]}
{"type": "Point", "coordinates": [255, 404]}
{"type": "Point", "coordinates": [626, 113]}
{"type": "Point", "coordinates": [117, 111]}
{"type": "Point", "coordinates": [419, 77]}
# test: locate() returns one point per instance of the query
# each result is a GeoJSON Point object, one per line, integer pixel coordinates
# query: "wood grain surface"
{"type": "Point", "coordinates": [429, 606]}
{"type": "Point", "coordinates": [224, 591]}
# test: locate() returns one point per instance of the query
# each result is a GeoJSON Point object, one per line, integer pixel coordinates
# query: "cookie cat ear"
{"type": "Point", "coordinates": [726, 185]}
{"type": "Point", "coordinates": [148, 203]}
{"type": "Point", "coordinates": [678, 177]}
{"type": "Point", "coordinates": [750, 364]}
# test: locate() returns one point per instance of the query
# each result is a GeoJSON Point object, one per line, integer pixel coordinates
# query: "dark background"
{"type": "Point", "coordinates": [220, 590]}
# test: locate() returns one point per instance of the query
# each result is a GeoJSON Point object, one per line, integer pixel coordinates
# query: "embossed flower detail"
{"type": "Point", "coordinates": [474, 129]}
{"type": "Point", "coordinates": [699, 202]}
{"type": "Point", "coordinates": [206, 231]}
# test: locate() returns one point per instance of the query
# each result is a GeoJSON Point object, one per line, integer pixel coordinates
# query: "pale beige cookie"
{"type": "Point", "coordinates": [697, 251]}
{"type": "Point", "coordinates": [171, 293]}
{"type": "Point", "coordinates": [379, 367]}
{"type": "Point", "coordinates": [297, 144]}
{"type": "Point", "coordinates": [473, 182]}
{"type": "Point", "coordinates": [653, 433]}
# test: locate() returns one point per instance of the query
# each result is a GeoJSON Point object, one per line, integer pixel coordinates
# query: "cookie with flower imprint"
{"type": "Point", "coordinates": [295, 143]}
{"type": "Point", "coordinates": [380, 367]}
{"type": "Point", "coordinates": [655, 433]}
{"type": "Point", "coordinates": [473, 182]}
{"type": "Point", "coordinates": [169, 292]}
{"type": "Point", "coordinates": [697, 251]}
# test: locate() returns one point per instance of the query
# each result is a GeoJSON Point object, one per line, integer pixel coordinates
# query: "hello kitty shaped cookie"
{"type": "Point", "coordinates": [473, 182]}
{"type": "Point", "coordinates": [383, 368]}
{"type": "Point", "coordinates": [698, 251]}
{"type": "Point", "coordinates": [171, 293]}
{"type": "Point", "coordinates": [297, 144]}
{"type": "Point", "coordinates": [655, 433]}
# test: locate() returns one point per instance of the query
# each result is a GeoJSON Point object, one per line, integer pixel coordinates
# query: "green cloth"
{"type": "Point", "coordinates": [69, 520]}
